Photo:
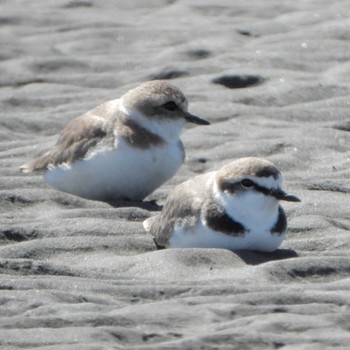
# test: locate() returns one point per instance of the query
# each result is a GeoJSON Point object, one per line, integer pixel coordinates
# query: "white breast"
{"type": "Point", "coordinates": [202, 236]}
{"type": "Point", "coordinates": [123, 172]}
{"type": "Point", "coordinates": [256, 214]}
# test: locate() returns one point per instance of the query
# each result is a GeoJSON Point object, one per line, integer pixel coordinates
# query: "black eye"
{"type": "Point", "coordinates": [170, 106]}
{"type": "Point", "coordinates": [247, 183]}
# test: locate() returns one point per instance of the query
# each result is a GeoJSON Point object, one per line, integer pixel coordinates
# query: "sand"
{"type": "Point", "coordinates": [273, 78]}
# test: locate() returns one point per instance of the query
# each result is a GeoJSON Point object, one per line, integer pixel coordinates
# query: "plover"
{"type": "Point", "coordinates": [236, 207]}
{"type": "Point", "coordinates": [123, 149]}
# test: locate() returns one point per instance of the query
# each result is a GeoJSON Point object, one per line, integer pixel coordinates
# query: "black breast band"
{"type": "Point", "coordinates": [218, 220]}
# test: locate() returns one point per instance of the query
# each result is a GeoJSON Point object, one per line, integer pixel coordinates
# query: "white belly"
{"type": "Point", "coordinates": [203, 237]}
{"type": "Point", "coordinates": [120, 173]}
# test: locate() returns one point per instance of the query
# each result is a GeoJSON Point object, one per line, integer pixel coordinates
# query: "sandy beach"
{"type": "Point", "coordinates": [273, 78]}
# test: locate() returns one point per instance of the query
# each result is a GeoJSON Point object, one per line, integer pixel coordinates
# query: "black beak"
{"type": "Point", "coordinates": [283, 196]}
{"type": "Point", "coordinates": [195, 120]}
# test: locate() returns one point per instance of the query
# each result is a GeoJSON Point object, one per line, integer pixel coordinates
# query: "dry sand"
{"type": "Point", "coordinates": [273, 77]}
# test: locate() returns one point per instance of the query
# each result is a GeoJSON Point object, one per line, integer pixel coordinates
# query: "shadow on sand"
{"type": "Point", "coordinates": [256, 258]}
{"type": "Point", "coordinates": [147, 205]}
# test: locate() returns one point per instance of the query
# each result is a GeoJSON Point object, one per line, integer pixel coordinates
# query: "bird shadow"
{"type": "Point", "coordinates": [251, 257]}
{"type": "Point", "coordinates": [257, 258]}
{"type": "Point", "coordinates": [147, 205]}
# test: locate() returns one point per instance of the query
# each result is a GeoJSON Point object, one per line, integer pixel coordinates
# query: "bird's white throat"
{"type": "Point", "coordinates": [168, 129]}
{"type": "Point", "coordinates": [250, 208]}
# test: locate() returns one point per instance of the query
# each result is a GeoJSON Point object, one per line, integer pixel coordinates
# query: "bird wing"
{"type": "Point", "coordinates": [76, 139]}
{"type": "Point", "coordinates": [182, 208]}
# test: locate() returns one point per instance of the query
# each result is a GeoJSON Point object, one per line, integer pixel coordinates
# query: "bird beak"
{"type": "Point", "coordinates": [195, 120]}
{"type": "Point", "coordinates": [283, 196]}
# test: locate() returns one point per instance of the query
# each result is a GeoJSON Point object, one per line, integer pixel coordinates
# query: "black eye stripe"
{"type": "Point", "coordinates": [263, 190]}
{"type": "Point", "coordinates": [238, 187]}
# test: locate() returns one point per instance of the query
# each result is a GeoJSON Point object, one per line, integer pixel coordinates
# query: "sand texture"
{"type": "Point", "coordinates": [273, 77]}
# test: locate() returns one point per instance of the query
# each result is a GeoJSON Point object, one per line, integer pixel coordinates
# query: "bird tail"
{"type": "Point", "coordinates": [147, 224]}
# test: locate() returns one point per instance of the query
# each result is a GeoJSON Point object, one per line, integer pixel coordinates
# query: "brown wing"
{"type": "Point", "coordinates": [75, 141]}
{"type": "Point", "coordinates": [182, 207]}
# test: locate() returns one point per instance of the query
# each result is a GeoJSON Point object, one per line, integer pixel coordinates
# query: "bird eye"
{"type": "Point", "coordinates": [170, 106]}
{"type": "Point", "coordinates": [247, 183]}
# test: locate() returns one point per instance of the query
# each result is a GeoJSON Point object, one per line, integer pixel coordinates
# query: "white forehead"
{"type": "Point", "coordinates": [259, 170]}
{"type": "Point", "coordinates": [267, 182]}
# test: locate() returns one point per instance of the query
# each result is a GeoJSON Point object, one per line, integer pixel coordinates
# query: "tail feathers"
{"type": "Point", "coordinates": [38, 164]}
{"type": "Point", "coordinates": [27, 167]}
{"type": "Point", "coordinates": [147, 224]}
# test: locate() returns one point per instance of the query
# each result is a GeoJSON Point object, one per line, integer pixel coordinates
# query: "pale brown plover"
{"type": "Point", "coordinates": [236, 207]}
{"type": "Point", "coordinates": [123, 149]}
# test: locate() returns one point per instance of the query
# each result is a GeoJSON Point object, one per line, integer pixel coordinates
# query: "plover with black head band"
{"type": "Point", "coordinates": [123, 149]}
{"type": "Point", "coordinates": [236, 207]}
